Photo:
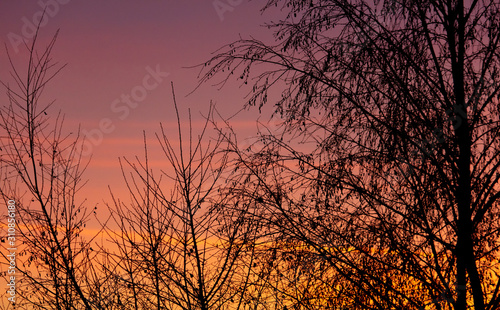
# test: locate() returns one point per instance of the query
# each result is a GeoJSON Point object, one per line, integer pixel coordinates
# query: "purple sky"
{"type": "Point", "coordinates": [109, 46]}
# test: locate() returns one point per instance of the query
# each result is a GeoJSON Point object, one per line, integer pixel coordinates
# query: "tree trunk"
{"type": "Point", "coordinates": [466, 261]}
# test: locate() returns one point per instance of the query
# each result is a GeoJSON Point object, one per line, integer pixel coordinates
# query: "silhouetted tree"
{"type": "Point", "coordinates": [388, 160]}
{"type": "Point", "coordinates": [173, 250]}
{"type": "Point", "coordinates": [41, 170]}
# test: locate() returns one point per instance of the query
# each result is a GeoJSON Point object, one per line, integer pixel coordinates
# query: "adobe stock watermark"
{"type": "Point", "coordinates": [223, 6]}
{"type": "Point", "coordinates": [122, 107]}
{"type": "Point", "coordinates": [48, 9]}
{"type": "Point", "coordinates": [11, 247]}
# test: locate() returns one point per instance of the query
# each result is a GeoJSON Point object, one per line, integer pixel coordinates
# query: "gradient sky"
{"type": "Point", "coordinates": [108, 46]}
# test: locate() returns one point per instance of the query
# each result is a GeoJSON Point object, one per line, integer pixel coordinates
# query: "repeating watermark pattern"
{"type": "Point", "coordinates": [122, 107]}
{"type": "Point", "coordinates": [11, 241]}
{"type": "Point", "coordinates": [223, 6]}
{"type": "Point", "coordinates": [49, 9]}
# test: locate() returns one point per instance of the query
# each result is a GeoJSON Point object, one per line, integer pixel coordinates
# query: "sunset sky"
{"type": "Point", "coordinates": [111, 49]}
{"type": "Point", "coordinates": [379, 189]}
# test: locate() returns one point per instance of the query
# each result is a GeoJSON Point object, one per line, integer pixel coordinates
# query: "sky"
{"type": "Point", "coordinates": [121, 57]}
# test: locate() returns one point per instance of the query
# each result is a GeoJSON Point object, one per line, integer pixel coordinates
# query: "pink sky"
{"type": "Point", "coordinates": [109, 46]}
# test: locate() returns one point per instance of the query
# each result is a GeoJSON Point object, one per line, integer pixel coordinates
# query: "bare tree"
{"type": "Point", "coordinates": [173, 249]}
{"type": "Point", "coordinates": [399, 102]}
{"type": "Point", "coordinates": [41, 173]}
